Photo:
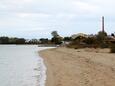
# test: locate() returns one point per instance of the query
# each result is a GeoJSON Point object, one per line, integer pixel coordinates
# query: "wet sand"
{"type": "Point", "coordinates": [79, 67]}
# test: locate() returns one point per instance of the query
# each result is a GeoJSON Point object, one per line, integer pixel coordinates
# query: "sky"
{"type": "Point", "coordinates": [38, 18]}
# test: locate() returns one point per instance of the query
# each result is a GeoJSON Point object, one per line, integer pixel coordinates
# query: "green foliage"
{"type": "Point", "coordinates": [112, 48]}
{"type": "Point", "coordinates": [12, 40]}
{"type": "Point", "coordinates": [44, 41]}
{"type": "Point", "coordinates": [90, 40]}
{"type": "Point", "coordinates": [112, 34]}
{"type": "Point", "coordinates": [101, 36]}
{"type": "Point", "coordinates": [7, 40]}
{"type": "Point", "coordinates": [57, 40]}
{"type": "Point", "coordinates": [54, 34]}
{"type": "Point", "coordinates": [67, 39]}
{"type": "Point", "coordinates": [4, 40]}
{"type": "Point", "coordinates": [78, 40]}
{"type": "Point", "coordinates": [33, 41]}
{"type": "Point", "coordinates": [104, 45]}
{"type": "Point", "coordinates": [20, 41]}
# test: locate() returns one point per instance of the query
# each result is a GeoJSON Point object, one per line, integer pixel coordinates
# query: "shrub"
{"type": "Point", "coordinates": [104, 45]}
{"type": "Point", "coordinates": [90, 40]}
{"type": "Point", "coordinates": [112, 48]}
{"type": "Point", "coordinates": [101, 36]}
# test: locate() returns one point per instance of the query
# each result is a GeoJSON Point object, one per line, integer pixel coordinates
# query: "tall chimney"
{"type": "Point", "coordinates": [103, 24]}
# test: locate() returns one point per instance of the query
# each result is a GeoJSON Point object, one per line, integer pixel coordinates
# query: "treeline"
{"type": "Point", "coordinates": [101, 39]}
{"type": "Point", "coordinates": [7, 40]}
{"type": "Point", "coordinates": [15, 40]}
{"type": "Point", "coordinates": [56, 39]}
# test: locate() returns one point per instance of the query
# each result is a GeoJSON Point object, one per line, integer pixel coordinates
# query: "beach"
{"type": "Point", "coordinates": [79, 67]}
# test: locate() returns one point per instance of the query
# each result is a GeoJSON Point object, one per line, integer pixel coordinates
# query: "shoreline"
{"type": "Point", "coordinates": [43, 70]}
{"type": "Point", "coordinates": [80, 67]}
{"type": "Point", "coordinates": [49, 76]}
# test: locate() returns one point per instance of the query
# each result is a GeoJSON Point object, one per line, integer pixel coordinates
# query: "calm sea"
{"type": "Point", "coordinates": [20, 65]}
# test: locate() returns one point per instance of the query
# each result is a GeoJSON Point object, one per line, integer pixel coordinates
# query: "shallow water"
{"type": "Point", "coordinates": [21, 65]}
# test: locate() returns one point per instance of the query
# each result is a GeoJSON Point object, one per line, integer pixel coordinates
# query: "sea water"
{"type": "Point", "coordinates": [21, 65]}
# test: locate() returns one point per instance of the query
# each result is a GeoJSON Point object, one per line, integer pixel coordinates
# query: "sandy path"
{"type": "Point", "coordinates": [83, 67]}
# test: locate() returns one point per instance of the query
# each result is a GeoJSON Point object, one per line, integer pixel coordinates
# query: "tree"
{"type": "Point", "coordinates": [67, 39]}
{"type": "Point", "coordinates": [112, 48]}
{"type": "Point", "coordinates": [101, 36]}
{"type": "Point", "coordinates": [90, 40]}
{"type": "Point", "coordinates": [79, 39]}
{"type": "Point", "coordinates": [20, 41]}
{"type": "Point", "coordinates": [54, 34]}
{"type": "Point", "coordinates": [4, 40]}
{"type": "Point", "coordinates": [33, 41]}
{"type": "Point", "coordinates": [56, 39]}
{"type": "Point", "coordinates": [44, 40]}
{"type": "Point", "coordinates": [112, 34]}
{"type": "Point", "coordinates": [12, 40]}
{"type": "Point", "coordinates": [101, 39]}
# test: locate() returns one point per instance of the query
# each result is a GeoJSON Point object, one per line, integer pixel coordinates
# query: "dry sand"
{"type": "Point", "coordinates": [80, 67]}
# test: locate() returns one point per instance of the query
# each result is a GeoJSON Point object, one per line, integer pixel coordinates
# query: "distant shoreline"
{"type": "Point", "coordinates": [47, 45]}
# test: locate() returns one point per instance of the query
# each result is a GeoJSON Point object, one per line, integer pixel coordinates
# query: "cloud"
{"type": "Point", "coordinates": [85, 7]}
{"type": "Point", "coordinates": [47, 15]}
{"type": "Point", "coordinates": [105, 7]}
{"type": "Point", "coordinates": [37, 15]}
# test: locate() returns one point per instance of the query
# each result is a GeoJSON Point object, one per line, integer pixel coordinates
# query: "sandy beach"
{"type": "Point", "coordinates": [79, 67]}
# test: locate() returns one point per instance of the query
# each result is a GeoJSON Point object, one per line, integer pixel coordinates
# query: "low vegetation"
{"type": "Point", "coordinates": [112, 48]}
{"type": "Point", "coordinates": [100, 40]}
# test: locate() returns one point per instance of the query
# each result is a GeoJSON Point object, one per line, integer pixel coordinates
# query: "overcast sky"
{"type": "Point", "coordinates": [37, 18]}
